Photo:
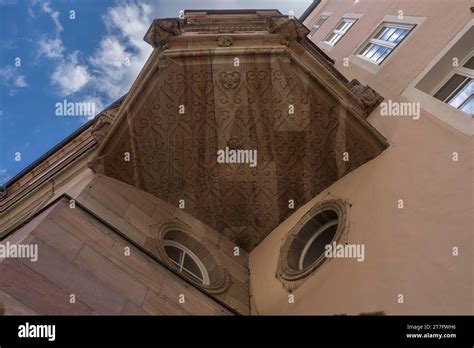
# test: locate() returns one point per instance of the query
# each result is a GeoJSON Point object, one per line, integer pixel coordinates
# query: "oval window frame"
{"type": "Point", "coordinates": [206, 252]}
{"type": "Point", "coordinates": [290, 275]}
{"type": "Point", "coordinates": [192, 255]}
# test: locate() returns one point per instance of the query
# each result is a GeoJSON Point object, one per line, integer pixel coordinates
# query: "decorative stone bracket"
{"type": "Point", "coordinates": [369, 98]}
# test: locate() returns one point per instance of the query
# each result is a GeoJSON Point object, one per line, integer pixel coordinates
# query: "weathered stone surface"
{"type": "Point", "coordinates": [79, 255]}
{"type": "Point", "coordinates": [135, 263]}
{"type": "Point", "coordinates": [11, 306]}
{"type": "Point", "coordinates": [368, 96]}
{"type": "Point", "coordinates": [57, 237]}
{"type": "Point", "coordinates": [116, 278]}
{"type": "Point", "coordinates": [86, 287]}
{"type": "Point", "coordinates": [44, 297]}
{"type": "Point", "coordinates": [299, 120]}
{"type": "Point", "coordinates": [103, 121]}
{"type": "Point", "coordinates": [137, 223]}
{"type": "Point", "coordinates": [84, 229]}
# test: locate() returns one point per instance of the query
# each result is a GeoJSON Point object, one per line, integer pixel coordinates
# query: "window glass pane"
{"type": "Point", "coordinates": [464, 94]}
{"type": "Point", "coordinates": [336, 39]}
{"type": "Point", "coordinates": [403, 33]}
{"type": "Point", "coordinates": [341, 25]}
{"type": "Point", "coordinates": [449, 87]}
{"type": "Point", "coordinates": [333, 38]}
{"type": "Point", "coordinates": [344, 27]}
{"type": "Point", "coordinates": [330, 37]}
{"type": "Point", "coordinates": [316, 248]}
{"type": "Point", "coordinates": [395, 36]}
{"type": "Point", "coordinates": [366, 49]}
{"type": "Point", "coordinates": [339, 31]}
{"type": "Point", "coordinates": [384, 55]}
{"type": "Point", "coordinates": [374, 49]}
{"type": "Point", "coordinates": [378, 53]}
{"type": "Point", "coordinates": [173, 253]}
{"type": "Point", "coordinates": [347, 27]}
{"type": "Point", "coordinates": [468, 106]}
{"type": "Point", "coordinates": [388, 34]}
{"type": "Point", "coordinates": [470, 63]}
{"type": "Point", "coordinates": [191, 266]}
{"type": "Point", "coordinates": [382, 32]}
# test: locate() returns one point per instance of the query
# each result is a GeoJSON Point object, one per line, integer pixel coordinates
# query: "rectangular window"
{"type": "Point", "coordinates": [339, 31]}
{"type": "Point", "coordinates": [384, 41]}
{"type": "Point", "coordinates": [458, 90]}
{"type": "Point", "coordinates": [318, 24]}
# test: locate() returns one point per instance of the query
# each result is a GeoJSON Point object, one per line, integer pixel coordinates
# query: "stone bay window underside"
{"type": "Point", "coordinates": [237, 81]}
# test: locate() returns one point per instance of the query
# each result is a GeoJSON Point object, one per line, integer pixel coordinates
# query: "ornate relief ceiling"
{"type": "Point", "coordinates": [241, 82]}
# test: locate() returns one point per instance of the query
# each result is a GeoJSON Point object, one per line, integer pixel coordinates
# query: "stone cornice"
{"type": "Point", "coordinates": [47, 168]}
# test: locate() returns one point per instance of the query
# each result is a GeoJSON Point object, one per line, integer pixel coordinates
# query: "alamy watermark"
{"type": "Point", "coordinates": [335, 250]}
{"type": "Point", "coordinates": [20, 251]}
{"type": "Point", "coordinates": [28, 330]}
{"type": "Point", "coordinates": [67, 108]}
{"type": "Point", "coordinates": [237, 156]}
{"type": "Point", "coordinates": [405, 109]}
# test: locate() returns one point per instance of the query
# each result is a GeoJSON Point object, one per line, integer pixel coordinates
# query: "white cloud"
{"type": "Point", "coordinates": [126, 24]}
{"type": "Point", "coordinates": [115, 64]}
{"type": "Point", "coordinates": [122, 51]}
{"type": "Point", "coordinates": [131, 20]}
{"type": "Point", "coordinates": [50, 48]}
{"type": "Point", "coordinates": [11, 78]}
{"type": "Point", "coordinates": [20, 81]}
{"type": "Point", "coordinates": [69, 76]}
{"type": "Point", "coordinates": [45, 7]}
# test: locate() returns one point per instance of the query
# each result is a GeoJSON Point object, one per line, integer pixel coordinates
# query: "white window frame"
{"type": "Point", "coordinates": [383, 43]}
{"type": "Point", "coordinates": [442, 111]}
{"type": "Point", "coordinates": [369, 65]}
{"type": "Point", "coordinates": [316, 26]}
{"type": "Point", "coordinates": [341, 33]}
{"type": "Point", "coordinates": [460, 70]}
{"type": "Point", "coordinates": [180, 266]}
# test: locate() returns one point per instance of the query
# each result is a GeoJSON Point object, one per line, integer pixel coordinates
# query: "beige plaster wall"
{"type": "Point", "coordinates": [444, 18]}
{"type": "Point", "coordinates": [408, 251]}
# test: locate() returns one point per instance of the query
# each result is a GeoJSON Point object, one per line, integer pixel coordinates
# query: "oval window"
{"type": "Point", "coordinates": [315, 247]}
{"type": "Point", "coordinates": [304, 249]}
{"type": "Point", "coordinates": [186, 262]}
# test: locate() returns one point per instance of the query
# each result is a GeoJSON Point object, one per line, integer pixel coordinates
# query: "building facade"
{"type": "Point", "coordinates": [249, 148]}
{"type": "Point", "coordinates": [412, 206]}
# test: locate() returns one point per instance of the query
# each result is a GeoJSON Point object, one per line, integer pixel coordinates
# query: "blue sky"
{"type": "Point", "coordinates": [49, 54]}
